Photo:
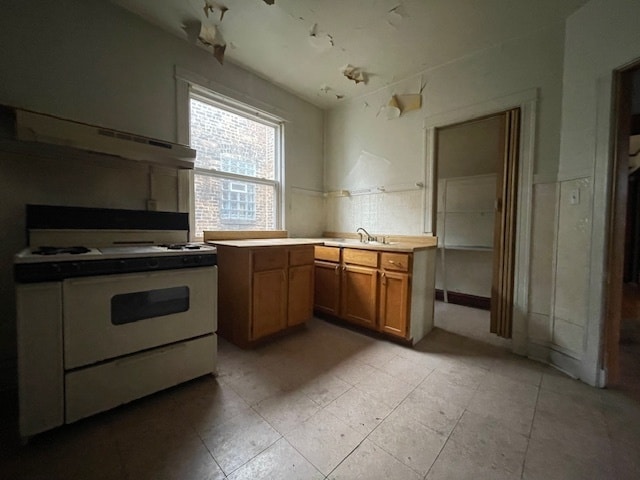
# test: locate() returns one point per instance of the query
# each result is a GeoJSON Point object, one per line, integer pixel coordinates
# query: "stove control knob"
{"type": "Point", "coordinates": [197, 259]}
{"type": "Point", "coordinates": [185, 260]}
{"type": "Point", "coordinates": [122, 264]}
{"type": "Point", "coordinates": [55, 267]}
{"type": "Point", "coordinates": [153, 263]}
{"type": "Point", "coordinates": [75, 266]}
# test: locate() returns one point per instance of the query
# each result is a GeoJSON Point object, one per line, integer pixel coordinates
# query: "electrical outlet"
{"type": "Point", "coordinates": [152, 205]}
{"type": "Point", "coordinates": [574, 196]}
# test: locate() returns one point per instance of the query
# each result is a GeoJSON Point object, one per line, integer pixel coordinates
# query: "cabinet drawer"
{"type": "Point", "coordinates": [107, 385]}
{"type": "Point", "coordinates": [328, 254]}
{"type": "Point", "coordinates": [354, 256]}
{"type": "Point", "coordinates": [395, 261]}
{"type": "Point", "coordinates": [269, 259]}
{"type": "Point", "coordinates": [301, 256]}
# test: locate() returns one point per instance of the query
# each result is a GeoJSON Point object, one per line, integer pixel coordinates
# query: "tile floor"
{"type": "Point", "coordinates": [331, 403]}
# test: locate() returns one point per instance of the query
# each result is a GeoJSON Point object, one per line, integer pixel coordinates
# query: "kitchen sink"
{"type": "Point", "coordinates": [358, 242]}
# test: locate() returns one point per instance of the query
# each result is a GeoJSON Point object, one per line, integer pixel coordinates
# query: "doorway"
{"type": "Point", "coordinates": [476, 171]}
{"type": "Point", "coordinates": [622, 325]}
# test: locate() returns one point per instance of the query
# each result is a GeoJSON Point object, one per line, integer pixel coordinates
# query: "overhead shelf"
{"type": "Point", "coordinates": [401, 187]}
{"type": "Point", "coordinates": [465, 217]}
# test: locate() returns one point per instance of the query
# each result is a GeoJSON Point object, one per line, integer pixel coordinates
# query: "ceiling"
{"type": "Point", "coordinates": [305, 45]}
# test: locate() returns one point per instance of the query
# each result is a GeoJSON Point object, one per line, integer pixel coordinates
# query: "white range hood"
{"type": "Point", "coordinates": [48, 129]}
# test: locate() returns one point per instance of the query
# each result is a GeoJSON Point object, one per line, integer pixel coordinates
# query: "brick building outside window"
{"type": "Point", "coordinates": [236, 175]}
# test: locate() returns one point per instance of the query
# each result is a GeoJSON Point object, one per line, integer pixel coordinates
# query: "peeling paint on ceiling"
{"type": "Point", "coordinates": [319, 40]}
{"type": "Point", "coordinates": [355, 74]}
{"type": "Point", "coordinates": [300, 44]}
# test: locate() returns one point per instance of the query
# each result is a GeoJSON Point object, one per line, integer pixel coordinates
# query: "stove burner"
{"type": "Point", "coordinates": [181, 246]}
{"type": "Point", "coordinates": [58, 250]}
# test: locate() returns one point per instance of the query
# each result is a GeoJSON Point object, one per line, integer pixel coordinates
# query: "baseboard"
{"type": "Point", "coordinates": [361, 329]}
{"type": "Point", "coordinates": [556, 358]}
{"type": "Point", "coordinates": [465, 299]}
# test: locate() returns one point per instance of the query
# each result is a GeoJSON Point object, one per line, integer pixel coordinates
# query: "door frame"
{"type": "Point", "coordinates": [615, 251]}
{"type": "Point", "coordinates": [527, 101]}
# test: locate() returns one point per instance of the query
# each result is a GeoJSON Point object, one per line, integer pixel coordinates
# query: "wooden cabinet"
{"type": "Point", "coordinates": [269, 303]}
{"type": "Point", "coordinates": [379, 290]}
{"type": "Point", "coordinates": [300, 281]}
{"type": "Point", "coordinates": [263, 291]}
{"type": "Point", "coordinates": [358, 292]}
{"type": "Point", "coordinates": [394, 293]}
{"type": "Point", "coordinates": [326, 296]}
{"type": "Point", "coordinates": [327, 281]}
{"type": "Point", "coordinates": [359, 295]}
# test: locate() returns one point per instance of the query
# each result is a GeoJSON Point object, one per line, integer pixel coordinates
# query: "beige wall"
{"type": "Point", "coordinates": [364, 149]}
{"type": "Point", "coordinates": [601, 37]}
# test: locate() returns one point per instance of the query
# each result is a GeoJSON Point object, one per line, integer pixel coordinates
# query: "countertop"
{"type": "Point", "coordinates": [266, 242]}
{"type": "Point", "coordinates": [429, 242]}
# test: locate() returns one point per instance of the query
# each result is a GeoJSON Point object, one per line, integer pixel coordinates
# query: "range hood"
{"type": "Point", "coordinates": [48, 129]}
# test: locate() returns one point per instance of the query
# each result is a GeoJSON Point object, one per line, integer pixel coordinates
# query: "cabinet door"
{"type": "Point", "coordinates": [327, 287]}
{"type": "Point", "coordinates": [359, 295]}
{"type": "Point", "coordinates": [394, 302]}
{"type": "Point", "coordinates": [300, 294]}
{"type": "Point", "coordinates": [269, 307]}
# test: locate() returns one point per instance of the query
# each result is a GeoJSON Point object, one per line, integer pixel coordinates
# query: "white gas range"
{"type": "Point", "coordinates": [45, 263]}
{"type": "Point", "coordinates": [112, 305]}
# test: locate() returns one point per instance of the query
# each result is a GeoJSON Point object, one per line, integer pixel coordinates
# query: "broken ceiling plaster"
{"type": "Point", "coordinates": [327, 90]}
{"type": "Point", "coordinates": [218, 53]}
{"type": "Point", "coordinates": [400, 104]}
{"type": "Point", "coordinates": [391, 110]}
{"type": "Point", "coordinates": [409, 101]}
{"type": "Point", "coordinates": [211, 6]}
{"type": "Point", "coordinates": [192, 29]}
{"type": "Point", "coordinates": [269, 2]}
{"type": "Point", "coordinates": [211, 37]}
{"type": "Point", "coordinates": [354, 73]}
{"type": "Point", "coordinates": [319, 40]}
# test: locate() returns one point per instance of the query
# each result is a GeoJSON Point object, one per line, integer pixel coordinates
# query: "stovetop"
{"type": "Point", "coordinates": [68, 242]}
{"type": "Point", "coordinates": [46, 254]}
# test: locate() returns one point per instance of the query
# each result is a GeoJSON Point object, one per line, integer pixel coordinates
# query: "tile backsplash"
{"type": "Point", "coordinates": [399, 213]}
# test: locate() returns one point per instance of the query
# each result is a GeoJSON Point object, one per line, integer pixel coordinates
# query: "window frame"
{"type": "Point", "coordinates": [247, 111]}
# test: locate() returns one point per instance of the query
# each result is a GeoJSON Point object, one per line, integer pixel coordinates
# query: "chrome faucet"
{"type": "Point", "coordinates": [365, 237]}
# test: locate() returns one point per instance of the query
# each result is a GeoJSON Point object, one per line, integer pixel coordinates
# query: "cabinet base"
{"type": "Point", "coordinates": [245, 344]}
{"type": "Point", "coordinates": [367, 331]}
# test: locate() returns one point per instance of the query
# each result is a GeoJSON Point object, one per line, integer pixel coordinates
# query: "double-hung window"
{"type": "Point", "coordinates": [237, 182]}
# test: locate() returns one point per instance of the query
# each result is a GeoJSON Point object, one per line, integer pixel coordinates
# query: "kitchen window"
{"type": "Point", "coordinates": [236, 181]}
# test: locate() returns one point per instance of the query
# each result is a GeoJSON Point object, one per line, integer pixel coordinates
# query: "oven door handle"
{"type": "Point", "coordinates": [135, 358]}
{"type": "Point", "coordinates": [102, 279]}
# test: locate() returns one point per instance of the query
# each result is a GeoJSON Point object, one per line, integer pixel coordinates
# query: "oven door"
{"type": "Point", "coordinates": [113, 315]}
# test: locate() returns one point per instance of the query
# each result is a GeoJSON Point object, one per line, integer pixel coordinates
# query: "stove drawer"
{"type": "Point", "coordinates": [96, 389]}
{"type": "Point", "coordinates": [113, 315]}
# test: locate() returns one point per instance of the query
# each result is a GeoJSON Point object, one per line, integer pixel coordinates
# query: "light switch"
{"type": "Point", "coordinates": [574, 196]}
